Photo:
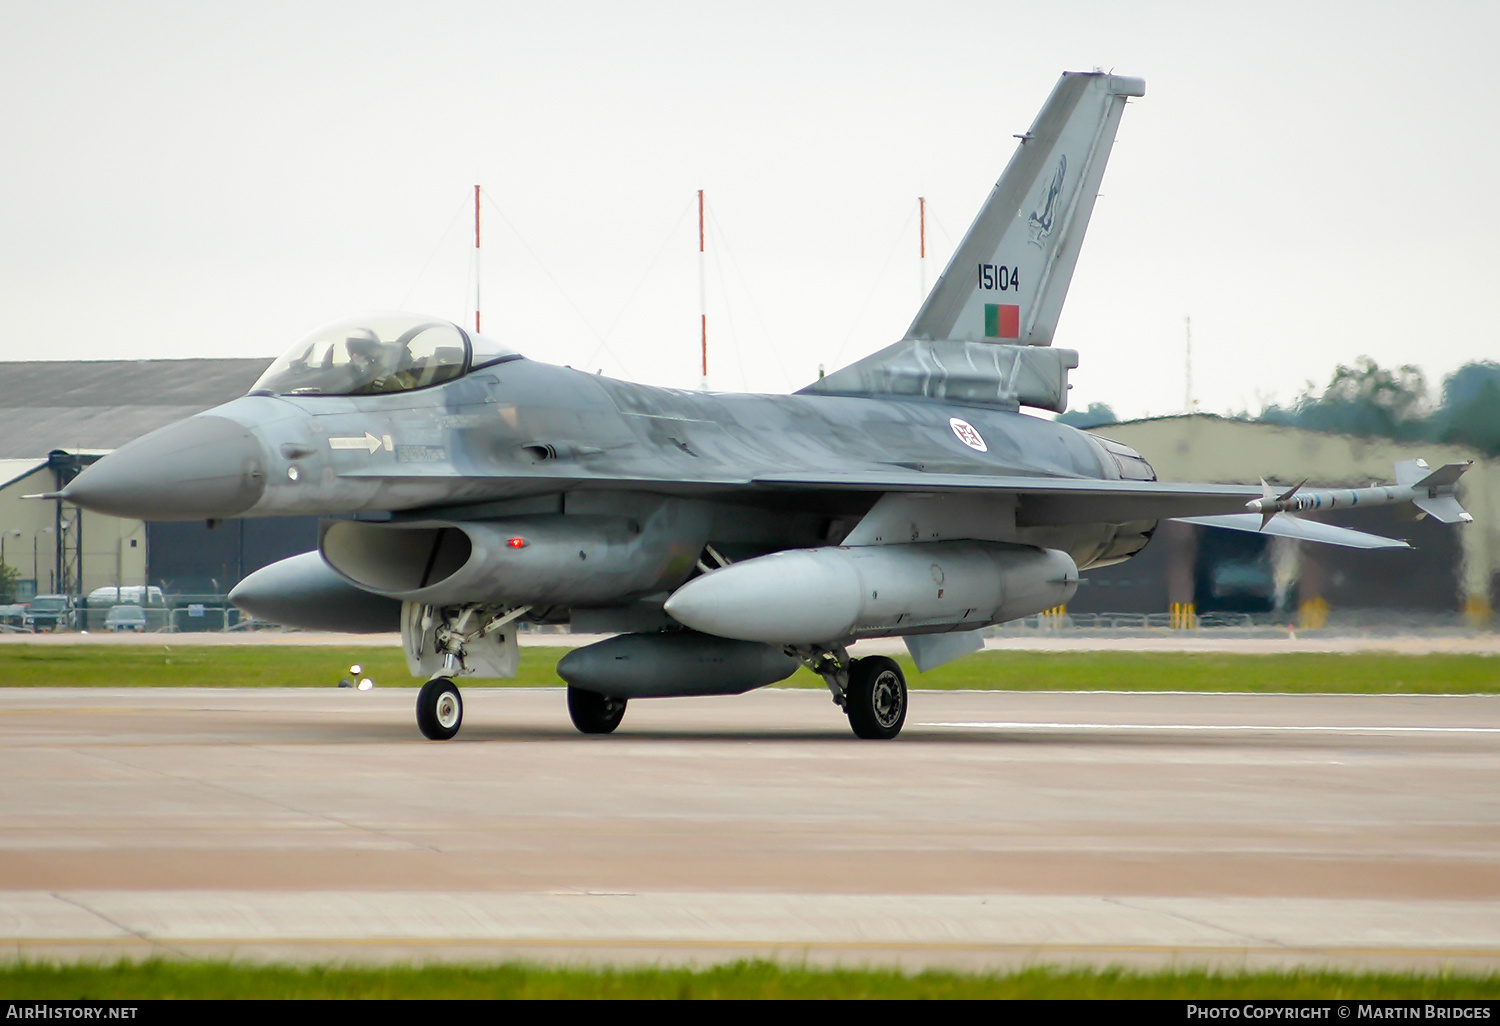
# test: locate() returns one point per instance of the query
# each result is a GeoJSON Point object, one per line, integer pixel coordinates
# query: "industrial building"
{"type": "Point", "coordinates": [56, 418]}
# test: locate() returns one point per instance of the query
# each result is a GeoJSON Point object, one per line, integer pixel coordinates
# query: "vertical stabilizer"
{"type": "Point", "coordinates": [1008, 278]}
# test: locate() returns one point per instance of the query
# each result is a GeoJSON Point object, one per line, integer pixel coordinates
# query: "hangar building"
{"type": "Point", "coordinates": [1453, 567]}
{"type": "Point", "coordinates": [57, 417]}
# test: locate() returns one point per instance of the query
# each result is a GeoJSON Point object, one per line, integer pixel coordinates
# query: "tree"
{"type": "Point", "coordinates": [9, 579]}
{"type": "Point", "coordinates": [1097, 415]}
{"type": "Point", "coordinates": [1366, 399]}
{"type": "Point", "coordinates": [1470, 414]}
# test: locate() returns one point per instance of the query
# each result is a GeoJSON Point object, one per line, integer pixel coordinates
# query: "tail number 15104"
{"type": "Point", "coordinates": [999, 278]}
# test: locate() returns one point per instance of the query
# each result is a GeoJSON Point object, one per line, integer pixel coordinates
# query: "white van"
{"type": "Point", "coordinates": [136, 594]}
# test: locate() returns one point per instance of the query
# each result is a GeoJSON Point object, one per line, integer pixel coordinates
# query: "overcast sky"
{"type": "Point", "coordinates": [1309, 181]}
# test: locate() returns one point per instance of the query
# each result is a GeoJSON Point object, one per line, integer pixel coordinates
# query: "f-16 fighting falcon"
{"type": "Point", "coordinates": [724, 539]}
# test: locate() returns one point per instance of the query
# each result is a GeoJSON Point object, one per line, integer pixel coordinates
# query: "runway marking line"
{"type": "Point", "coordinates": [665, 942]}
{"type": "Point", "coordinates": [1019, 725]}
{"type": "Point", "coordinates": [1189, 694]}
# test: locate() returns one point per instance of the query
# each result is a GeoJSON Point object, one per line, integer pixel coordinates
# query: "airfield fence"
{"type": "Point", "coordinates": [1377, 622]}
{"type": "Point", "coordinates": [185, 613]}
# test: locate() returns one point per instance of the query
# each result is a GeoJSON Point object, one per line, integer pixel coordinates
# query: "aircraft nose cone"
{"type": "Point", "coordinates": [204, 467]}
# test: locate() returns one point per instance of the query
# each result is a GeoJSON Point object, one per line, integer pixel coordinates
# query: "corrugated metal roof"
{"type": "Point", "coordinates": [102, 404]}
{"type": "Point", "coordinates": [12, 471]}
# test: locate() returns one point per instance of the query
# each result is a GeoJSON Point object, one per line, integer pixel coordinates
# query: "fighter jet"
{"type": "Point", "coordinates": [723, 539]}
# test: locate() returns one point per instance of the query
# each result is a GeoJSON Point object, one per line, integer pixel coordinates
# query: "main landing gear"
{"type": "Point", "coordinates": [594, 713]}
{"type": "Point", "coordinates": [871, 691]}
{"type": "Point", "coordinates": [876, 698]}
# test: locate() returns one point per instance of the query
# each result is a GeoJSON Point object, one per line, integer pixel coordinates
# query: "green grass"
{"type": "Point", "coordinates": [24, 665]}
{"type": "Point", "coordinates": [749, 979]}
{"type": "Point", "coordinates": [224, 666]}
{"type": "Point", "coordinates": [1298, 673]}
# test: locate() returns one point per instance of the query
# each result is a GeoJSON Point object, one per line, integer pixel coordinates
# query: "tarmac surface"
{"type": "Point", "coordinates": [1000, 830]}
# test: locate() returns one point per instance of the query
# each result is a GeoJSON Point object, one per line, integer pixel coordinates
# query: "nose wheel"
{"type": "Point", "coordinates": [876, 698]}
{"type": "Point", "coordinates": [440, 709]}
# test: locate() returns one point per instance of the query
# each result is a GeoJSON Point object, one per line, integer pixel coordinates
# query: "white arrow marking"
{"type": "Point", "coordinates": [368, 442]}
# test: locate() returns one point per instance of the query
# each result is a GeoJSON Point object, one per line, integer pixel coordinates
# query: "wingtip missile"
{"type": "Point", "coordinates": [1432, 494]}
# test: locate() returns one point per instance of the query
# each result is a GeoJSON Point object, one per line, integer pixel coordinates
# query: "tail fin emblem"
{"type": "Point", "coordinates": [1040, 221]}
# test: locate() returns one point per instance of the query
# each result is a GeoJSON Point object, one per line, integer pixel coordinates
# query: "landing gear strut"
{"type": "Point", "coordinates": [871, 691]}
{"type": "Point", "coordinates": [440, 708]}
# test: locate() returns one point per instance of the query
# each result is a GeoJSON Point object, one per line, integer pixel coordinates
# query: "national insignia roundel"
{"type": "Point", "coordinates": [967, 435]}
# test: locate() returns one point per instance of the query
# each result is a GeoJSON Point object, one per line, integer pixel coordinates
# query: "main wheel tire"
{"type": "Point", "coordinates": [440, 709]}
{"type": "Point", "coordinates": [594, 713]}
{"type": "Point", "coordinates": [876, 698]}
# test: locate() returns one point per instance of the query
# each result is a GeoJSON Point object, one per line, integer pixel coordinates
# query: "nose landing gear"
{"type": "Point", "coordinates": [452, 641]}
{"type": "Point", "coordinates": [440, 709]}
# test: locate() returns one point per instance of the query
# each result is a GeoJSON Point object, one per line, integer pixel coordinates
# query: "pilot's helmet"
{"type": "Point", "coordinates": [364, 348]}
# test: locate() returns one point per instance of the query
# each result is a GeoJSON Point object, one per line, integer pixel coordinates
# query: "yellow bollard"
{"type": "Point", "coordinates": [1477, 611]}
{"type": "Point", "coordinates": [1312, 615]}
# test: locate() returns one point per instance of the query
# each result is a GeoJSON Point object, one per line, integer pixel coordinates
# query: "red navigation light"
{"type": "Point", "coordinates": [517, 543]}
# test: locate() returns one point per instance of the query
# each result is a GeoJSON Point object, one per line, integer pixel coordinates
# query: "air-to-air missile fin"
{"type": "Point", "coordinates": [1009, 276]}
{"type": "Point", "coordinates": [1265, 489]}
{"type": "Point", "coordinates": [1409, 472]}
{"type": "Point", "coordinates": [1432, 490]}
{"type": "Point", "coordinates": [1445, 509]}
{"type": "Point", "coordinates": [1440, 502]}
{"type": "Point", "coordinates": [1445, 475]}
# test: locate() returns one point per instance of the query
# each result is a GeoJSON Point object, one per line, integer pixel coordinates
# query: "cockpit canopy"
{"type": "Point", "coordinates": [374, 354]}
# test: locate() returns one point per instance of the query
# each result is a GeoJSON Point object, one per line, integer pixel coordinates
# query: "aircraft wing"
{"type": "Point", "coordinates": [1042, 501]}
{"type": "Point", "coordinates": [1285, 526]}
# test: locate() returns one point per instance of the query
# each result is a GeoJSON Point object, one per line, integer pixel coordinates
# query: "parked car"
{"type": "Point", "coordinates": [50, 613]}
{"type": "Point", "coordinates": [126, 617]}
{"type": "Point", "coordinates": [12, 616]}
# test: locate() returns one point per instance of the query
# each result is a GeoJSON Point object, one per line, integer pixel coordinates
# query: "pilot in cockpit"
{"type": "Point", "coordinates": [380, 353]}
{"type": "Point", "coordinates": [368, 366]}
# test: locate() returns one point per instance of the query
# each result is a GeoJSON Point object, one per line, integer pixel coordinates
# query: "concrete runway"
{"type": "Point", "coordinates": [1001, 829]}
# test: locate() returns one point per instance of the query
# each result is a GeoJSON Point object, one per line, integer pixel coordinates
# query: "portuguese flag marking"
{"type": "Point", "coordinates": [1001, 321]}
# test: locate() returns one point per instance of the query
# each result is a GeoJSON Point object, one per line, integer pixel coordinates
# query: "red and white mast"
{"type": "Point", "coordinates": [922, 243]}
{"type": "Point", "coordinates": [702, 294]}
{"type": "Point", "coordinates": [476, 259]}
